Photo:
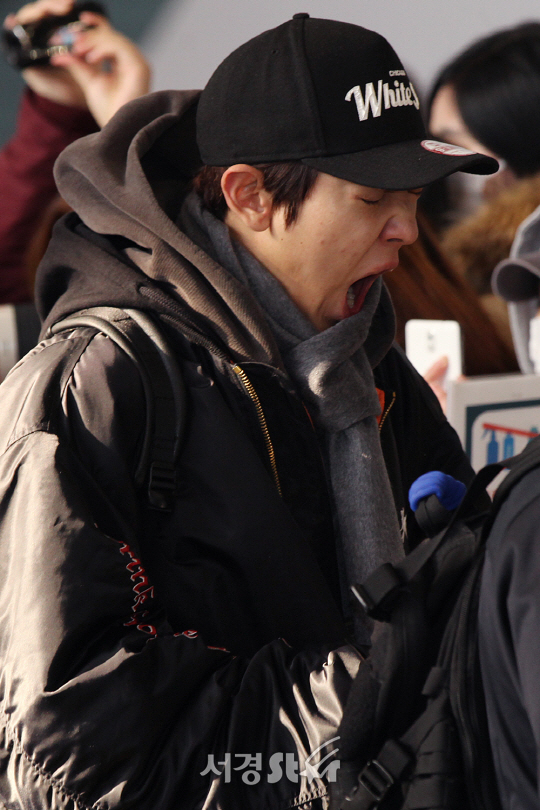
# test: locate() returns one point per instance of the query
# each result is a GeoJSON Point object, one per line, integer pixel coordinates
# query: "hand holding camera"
{"type": "Point", "coordinates": [70, 53]}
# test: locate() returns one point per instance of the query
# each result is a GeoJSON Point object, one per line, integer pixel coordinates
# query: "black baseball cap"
{"type": "Point", "coordinates": [332, 95]}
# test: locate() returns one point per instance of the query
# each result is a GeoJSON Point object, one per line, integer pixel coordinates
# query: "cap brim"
{"type": "Point", "coordinates": [401, 166]}
{"type": "Point", "coordinates": [517, 279]}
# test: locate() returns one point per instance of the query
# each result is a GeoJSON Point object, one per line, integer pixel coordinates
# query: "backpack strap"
{"type": "Point", "coordinates": [519, 465]}
{"type": "Point", "coordinates": [367, 789]}
{"type": "Point", "coordinates": [376, 592]}
{"type": "Point", "coordinates": [137, 334]}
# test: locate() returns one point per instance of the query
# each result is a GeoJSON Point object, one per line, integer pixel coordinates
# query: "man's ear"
{"type": "Point", "coordinates": [246, 197]}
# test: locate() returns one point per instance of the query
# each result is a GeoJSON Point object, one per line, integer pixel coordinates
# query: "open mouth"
{"type": "Point", "coordinates": [356, 295]}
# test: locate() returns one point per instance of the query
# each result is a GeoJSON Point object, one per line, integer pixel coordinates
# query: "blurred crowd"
{"type": "Point", "coordinates": [485, 99]}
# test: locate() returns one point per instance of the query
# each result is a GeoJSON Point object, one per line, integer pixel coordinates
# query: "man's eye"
{"type": "Point", "coordinates": [370, 202]}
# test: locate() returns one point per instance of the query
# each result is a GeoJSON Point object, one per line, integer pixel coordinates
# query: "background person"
{"type": "Point", "coordinates": [488, 99]}
{"type": "Point", "coordinates": [509, 648]}
{"type": "Point", "coordinates": [64, 101]}
{"type": "Point", "coordinates": [426, 285]}
{"type": "Point", "coordinates": [516, 280]}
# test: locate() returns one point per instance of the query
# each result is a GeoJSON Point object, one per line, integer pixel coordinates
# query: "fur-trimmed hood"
{"type": "Point", "coordinates": [478, 243]}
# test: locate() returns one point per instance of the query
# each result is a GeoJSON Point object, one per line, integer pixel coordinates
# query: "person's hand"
{"type": "Point", "coordinates": [103, 71]}
{"type": "Point", "coordinates": [434, 376]}
{"type": "Point", "coordinates": [53, 83]}
{"type": "Point", "coordinates": [108, 68]}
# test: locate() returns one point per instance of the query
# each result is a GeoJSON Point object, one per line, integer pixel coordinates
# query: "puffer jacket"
{"type": "Point", "coordinates": [198, 658]}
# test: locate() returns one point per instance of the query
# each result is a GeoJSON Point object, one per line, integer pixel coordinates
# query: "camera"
{"type": "Point", "coordinates": [34, 44]}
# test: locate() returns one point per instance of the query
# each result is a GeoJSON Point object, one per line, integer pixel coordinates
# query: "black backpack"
{"type": "Point", "coordinates": [138, 335]}
{"type": "Point", "coordinates": [414, 734]}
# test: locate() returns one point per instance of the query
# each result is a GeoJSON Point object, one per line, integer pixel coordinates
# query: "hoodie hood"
{"type": "Point", "coordinates": [516, 279]}
{"type": "Point", "coordinates": [122, 246]}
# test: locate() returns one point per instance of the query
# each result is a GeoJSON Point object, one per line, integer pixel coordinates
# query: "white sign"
{"type": "Point", "coordinates": [495, 416]}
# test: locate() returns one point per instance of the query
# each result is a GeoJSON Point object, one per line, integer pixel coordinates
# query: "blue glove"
{"type": "Point", "coordinates": [448, 490]}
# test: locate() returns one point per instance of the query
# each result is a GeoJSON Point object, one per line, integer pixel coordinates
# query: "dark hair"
{"type": "Point", "coordinates": [497, 85]}
{"type": "Point", "coordinates": [288, 183]}
{"type": "Point", "coordinates": [426, 285]}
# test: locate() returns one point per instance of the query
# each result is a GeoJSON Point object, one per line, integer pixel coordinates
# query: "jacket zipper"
{"type": "Point", "coordinates": [262, 422]}
{"type": "Point", "coordinates": [387, 411]}
{"type": "Point", "coordinates": [212, 348]}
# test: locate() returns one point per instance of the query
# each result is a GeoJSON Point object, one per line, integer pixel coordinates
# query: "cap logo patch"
{"type": "Point", "coordinates": [446, 149]}
{"type": "Point", "coordinates": [384, 97]}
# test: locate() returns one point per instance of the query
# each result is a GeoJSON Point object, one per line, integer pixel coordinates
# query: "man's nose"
{"type": "Point", "coordinates": [402, 225]}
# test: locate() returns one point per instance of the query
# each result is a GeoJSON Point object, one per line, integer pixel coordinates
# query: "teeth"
{"type": "Point", "coordinates": [351, 298]}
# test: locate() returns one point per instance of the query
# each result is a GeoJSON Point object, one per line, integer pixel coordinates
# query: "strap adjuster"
{"type": "Point", "coordinates": [376, 780]}
{"type": "Point", "coordinates": [377, 777]}
{"type": "Point", "coordinates": [161, 485]}
{"type": "Point", "coordinates": [375, 593]}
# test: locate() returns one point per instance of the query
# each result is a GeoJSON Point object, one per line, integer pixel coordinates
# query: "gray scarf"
{"type": "Point", "coordinates": [332, 370]}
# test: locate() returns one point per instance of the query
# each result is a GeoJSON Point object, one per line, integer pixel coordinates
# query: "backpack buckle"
{"type": "Point", "coordinates": [378, 776]}
{"type": "Point", "coordinates": [372, 785]}
{"type": "Point", "coordinates": [376, 781]}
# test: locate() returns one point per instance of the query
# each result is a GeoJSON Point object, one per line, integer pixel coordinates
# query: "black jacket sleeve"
{"type": "Point", "coordinates": [509, 644]}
